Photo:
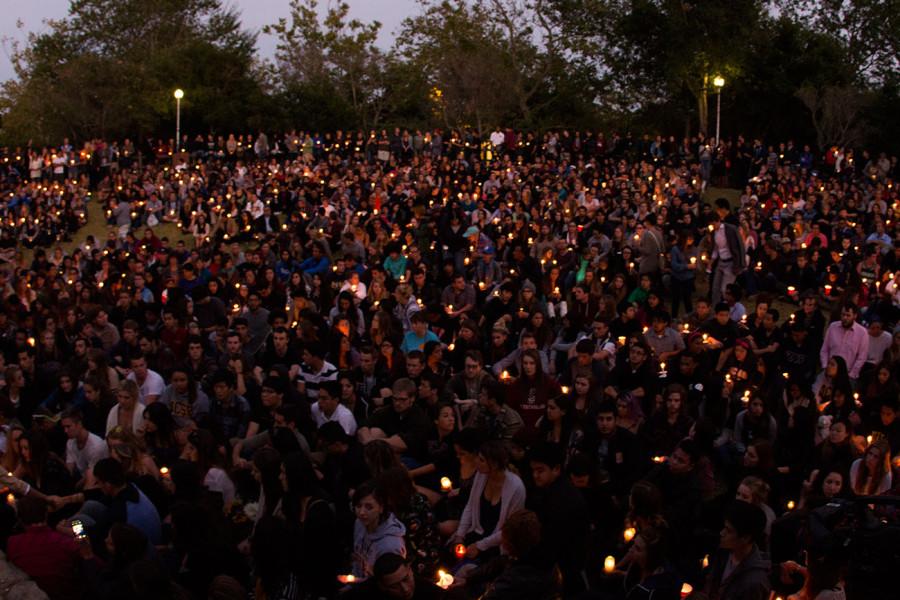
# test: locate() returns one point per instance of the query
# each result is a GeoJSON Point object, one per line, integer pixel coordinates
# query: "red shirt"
{"type": "Point", "coordinates": [50, 558]}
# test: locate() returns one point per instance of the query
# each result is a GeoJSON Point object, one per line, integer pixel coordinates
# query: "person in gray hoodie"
{"type": "Point", "coordinates": [376, 531]}
{"type": "Point", "coordinates": [740, 572]}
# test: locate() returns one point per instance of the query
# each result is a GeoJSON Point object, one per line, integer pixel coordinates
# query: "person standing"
{"type": "Point", "coordinates": [848, 339]}
{"type": "Point", "coordinates": [728, 254]}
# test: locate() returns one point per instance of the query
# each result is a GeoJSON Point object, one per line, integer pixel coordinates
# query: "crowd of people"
{"type": "Point", "coordinates": [423, 365]}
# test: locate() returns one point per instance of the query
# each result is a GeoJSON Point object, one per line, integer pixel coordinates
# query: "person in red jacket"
{"type": "Point", "coordinates": [52, 559]}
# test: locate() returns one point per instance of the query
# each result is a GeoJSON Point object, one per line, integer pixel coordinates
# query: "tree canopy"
{"type": "Point", "coordinates": [821, 70]}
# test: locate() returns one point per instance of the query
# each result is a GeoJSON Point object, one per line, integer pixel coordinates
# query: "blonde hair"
{"type": "Point", "coordinates": [759, 489]}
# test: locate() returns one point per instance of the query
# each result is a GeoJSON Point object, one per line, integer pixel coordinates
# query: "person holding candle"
{"type": "Point", "coordinates": [649, 575]}
{"type": "Point", "coordinates": [496, 493]}
{"type": "Point", "coordinates": [683, 266]}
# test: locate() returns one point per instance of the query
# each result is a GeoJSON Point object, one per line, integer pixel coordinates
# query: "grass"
{"type": "Point", "coordinates": [98, 227]}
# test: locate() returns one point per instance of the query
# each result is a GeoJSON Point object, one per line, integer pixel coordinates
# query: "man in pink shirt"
{"type": "Point", "coordinates": [848, 339]}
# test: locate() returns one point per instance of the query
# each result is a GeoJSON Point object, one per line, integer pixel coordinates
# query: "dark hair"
{"type": "Point", "coordinates": [332, 387]}
{"type": "Point", "coordinates": [747, 519]}
{"type": "Point", "coordinates": [31, 510]}
{"type": "Point", "coordinates": [223, 376]}
{"type": "Point", "coordinates": [469, 439]}
{"type": "Point", "coordinates": [547, 453]}
{"type": "Point", "coordinates": [495, 454]}
{"type": "Point", "coordinates": [332, 432]}
{"type": "Point", "coordinates": [387, 564]}
{"type": "Point", "coordinates": [111, 471]}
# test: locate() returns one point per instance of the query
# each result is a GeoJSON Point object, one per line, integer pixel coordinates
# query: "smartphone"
{"type": "Point", "coordinates": [78, 529]}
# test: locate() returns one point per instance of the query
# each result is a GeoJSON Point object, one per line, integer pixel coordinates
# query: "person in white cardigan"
{"type": "Point", "coordinates": [496, 487]}
{"type": "Point", "coordinates": [128, 412]}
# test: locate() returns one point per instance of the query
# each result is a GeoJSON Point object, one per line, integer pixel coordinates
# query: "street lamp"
{"type": "Point", "coordinates": [179, 94]}
{"type": "Point", "coordinates": [718, 81]}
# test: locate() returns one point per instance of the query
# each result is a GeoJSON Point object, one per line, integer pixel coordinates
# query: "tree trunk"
{"type": "Point", "coordinates": [703, 106]}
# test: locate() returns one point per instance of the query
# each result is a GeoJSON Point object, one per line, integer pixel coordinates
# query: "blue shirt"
{"type": "Point", "coordinates": [413, 342]}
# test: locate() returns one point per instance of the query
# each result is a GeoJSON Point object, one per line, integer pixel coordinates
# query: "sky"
{"type": "Point", "coordinates": [31, 14]}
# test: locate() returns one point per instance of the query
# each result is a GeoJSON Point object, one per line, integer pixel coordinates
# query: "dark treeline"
{"type": "Point", "coordinates": [820, 71]}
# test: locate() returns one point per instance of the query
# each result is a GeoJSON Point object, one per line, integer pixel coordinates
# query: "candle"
{"type": "Point", "coordinates": [786, 375]}
{"type": "Point", "coordinates": [629, 534]}
{"type": "Point", "coordinates": [790, 505]}
{"type": "Point", "coordinates": [446, 484]}
{"type": "Point", "coordinates": [481, 285]}
{"type": "Point", "coordinates": [869, 439]}
{"type": "Point", "coordinates": [164, 471]}
{"type": "Point", "coordinates": [687, 328]}
{"type": "Point", "coordinates": [459, 550]}
{"type": "Point", "coordinates": [565, 389]}
{"type": "Point", "coordinates": [705, 338]}
{"type": "Point", "coordinates": [856, 399]}
{"type": "Point", "coordinates": [791, 290]}
{"type": "Point", "coordinates": [659, 459]}
{"type": "Point", "coordinates": [504, 375]}
{"type": "Point", "coordinates": [609, 564]}
{"type": "Point", "coordinates": [693, 260]}
{"type": "Point", "coordinates": [31, 342]}
{"type": "Point", "coordinates": [621, 340]}
{"type": "Point", "coordinates": [10, 498]}
{"type": "Point", "coordinates": [686, 590]}
{"type": "Point", "coordinates": [705, 562]}
{"type": "Point", "coordinates": [347, 579]}
{"type": "Point", "coordinates": [451, 347]}
{"type": "Point", "coordinates": [828, 289]}
{"type": "Point", "coordinates": [444, 580]}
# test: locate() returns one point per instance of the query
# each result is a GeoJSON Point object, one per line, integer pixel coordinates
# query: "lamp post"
{"type": "Point", "coordinates": [718, 81]}
{"type": "Point", "coordinates": [179, 94]}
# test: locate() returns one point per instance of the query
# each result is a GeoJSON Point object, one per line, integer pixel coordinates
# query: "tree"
{"type": "Point", "coordinates": [836, 114]}
{"type": "Point", "coordinates": [868, 31]}
{"type": "Point", "coordinates": [497, 61]}
{"type": "Point", "coordinates": [109, 68]}
{"type": "Point", "coordinates": [335, 56]}
{"type": "Point", "coordinates": [656, 50]}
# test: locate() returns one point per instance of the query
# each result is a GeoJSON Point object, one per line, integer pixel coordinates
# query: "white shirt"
{"type": "Point", "coordinates": [153, 385]}
{"type": "Point", "coordinates": [878, 346]}
{"type": "Point", "coordinates": [341, 414]}
{"type": "Point", "coordinates": [85, 458]}
{"type": "Point", "coordinates": [497, 138]}
{"type": "Point", "coordinates": [217, 480]}
{"type": "Point", "coordinates": [721, 240]}
{"type": "Point", "coordinates": [137, 418]}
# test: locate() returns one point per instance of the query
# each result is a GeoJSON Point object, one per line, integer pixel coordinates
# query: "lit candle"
{"type": "Point", "coordinates": [446, 484]}
{"type": "Point", "coordinates": [609, 564]}
{"type": "Point", "coordinates": [164, 471]}
{"type": "Point", "coordinates": [459, 550]}
{"type": "Point", "coordinates": [790, 505]}
{"type": "Point", "coordinates": [346, 579]}
{"type": "Point", "coordinates": [565, 389]}
{"type": "Point", "coordinates": [686, 590]}
{"type": "Point", "coordinates": [504, 375]}
{"type": "Point", "coordinates": [621, 340]}
{"type": "Point", "coordinates": [444, 580]}
{"type": "Point", "coordinates": [693, 260]}
{"type": "Point", "coordinates": [628, 534]}
{"type": "Point", "coordinates": [705, 562]}
{"type": "Point", "coordinates": [659, 459]}
{"type": "Point", "coordinates": [10, 498]}
{"type": "Point", "coordinates": [786, 375]}
{"type": "Point", "coordinates": [705, 338]}
{"type": "Point", "coordinates": [451, 347]}
{"type": "Point", "coordinates": [869, 439]}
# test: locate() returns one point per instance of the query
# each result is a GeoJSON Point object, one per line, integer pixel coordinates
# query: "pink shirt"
{"type": "Point", "coordinates": [850, 344]}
